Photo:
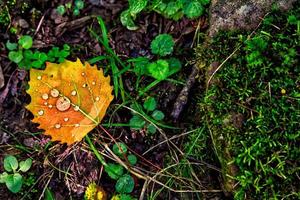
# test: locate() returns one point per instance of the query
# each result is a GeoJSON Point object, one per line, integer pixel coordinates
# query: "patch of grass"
{"type": "Point", "coordinates": [253, 107]}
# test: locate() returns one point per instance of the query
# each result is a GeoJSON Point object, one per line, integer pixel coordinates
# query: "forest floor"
{"type": "Point", "coordinates": [223, 124]}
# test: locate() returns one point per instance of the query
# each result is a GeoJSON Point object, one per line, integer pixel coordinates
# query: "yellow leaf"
{"type": "Point", "coordinates": [69, 99]}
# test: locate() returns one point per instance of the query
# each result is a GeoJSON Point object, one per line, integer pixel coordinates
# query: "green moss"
{"type": "Point", "coordinates": [4, 16]}
{"type": "Point", "coordinates": [253, 107]}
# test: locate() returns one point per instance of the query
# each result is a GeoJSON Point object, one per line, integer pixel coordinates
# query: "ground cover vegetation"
{"type": "Point", "coordinates": [252, 107]}
{"type": "Point", "coordinates": [237, 138]}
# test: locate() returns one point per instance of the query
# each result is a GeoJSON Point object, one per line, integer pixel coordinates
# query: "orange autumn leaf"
{"type": "Point", "coordinates": [69, 99]}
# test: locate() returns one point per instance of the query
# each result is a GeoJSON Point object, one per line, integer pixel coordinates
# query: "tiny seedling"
{"type": "Point", "coordinates": [125, 182]}
{"type": "Point", "coordinates": [160, 69]}
{"type": "Point", "coordinates": [12, 177]}
{"type": "Point", "coordinates": [21, 54]}
{"type": "Point", "coordinates": [78, 5]}
{"type": "Point", "coordinates": [138, 122]}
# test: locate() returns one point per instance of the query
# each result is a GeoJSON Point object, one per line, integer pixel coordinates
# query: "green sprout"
{"type": "Point", "coordinates": [12, 177]}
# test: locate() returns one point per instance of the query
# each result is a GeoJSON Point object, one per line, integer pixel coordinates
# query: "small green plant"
{"type": "Point", "coordinates": [125, 182]}
{"type": "Point", "coordinates": [4, 15]}
{"type": "Point", "coordinates": [21, 54]}
{"type": "Point", "coordinates": [160, 69]}
{"type": "Point", "coordinates": [162, 45]}
{"type": "Point", "coordinates": [173, 9]}
{"type": "Point", "coordinates": [138, 122]}
{"type": "Point", "coordinates": [12, 177]}
{"type": "Point", "coordinates": [78, 5]}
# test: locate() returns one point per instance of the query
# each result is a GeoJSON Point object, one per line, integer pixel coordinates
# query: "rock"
{"type": "Point", "coordinates": [241, 14]}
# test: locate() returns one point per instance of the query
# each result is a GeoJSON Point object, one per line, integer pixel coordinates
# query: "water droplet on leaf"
{"type": "Point", "coordinates": [54, 93]}
{"type": "Point", "coordinates": [41, 112]}
{"type": "Point", "coordinates": [63, 103]}
{"type": "Point", "coordinates": [73, 93]}
{"type": "Point", "coordinates": [57, 125]}
{"type": "Point", "coordinates": [76, 108]}
{"type": "Point", "coordinates": [45, 96]}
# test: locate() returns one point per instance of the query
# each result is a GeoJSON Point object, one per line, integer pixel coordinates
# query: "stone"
{"type": "Point", "coordinates": [241, 14]}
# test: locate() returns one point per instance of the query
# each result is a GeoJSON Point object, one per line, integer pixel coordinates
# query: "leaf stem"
{"type": "Point", "coordinates": [97, 154]}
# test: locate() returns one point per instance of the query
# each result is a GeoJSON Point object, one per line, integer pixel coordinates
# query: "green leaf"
{"type": "Point", "coordinates": [79, 4]}
{"type": "Point", "coordinates": [118, 151]}
{"type": "Point", "coordinates": [136, 6]}
{"type": "Point", "coordinates": [76, 12]}
{"type": "Point", "coordinates": [3, 177]}
{"type": "Point", "coordinates": [54, 52]}
{"type": "Point", "coordinates": [26, 41]}
{"type": "Point", "coordinates": [193, 9]}
{"type": "Point", "coordinates": [14, 182]}
{"type": "Point", "coordinates": [162, 45]}
{"type": "Point", "coordinates": [66, 47]}
{"type": "Point", "coordinates": [140, 65]}
{"type": "Point", "coordinates": [151, 129]}
{"type": "Point", "coordinates": [172, 8]}
{"type": "Point", "coordinates": [125, 184]}
{"type": "Point", "coordinates": [49, 195]}
{"type": "Point", "coordinates": [15, 56]}
{"type": "Point", "coordinates": [28, 54]}
{"type": "Point", "coordinates": [136, 122]}
{"type": "Point", "coordinates": [205, 2]}
{"type": "Point", "coordinates": [160, 7]}
{"type": "Point", "coordinates": [64, 53]}
{"type": "Point", "coordinates": [159, 69]}
{"type": "Point", "coordinates": [37, 64]}
{"type": "Point", "coordinates": [25, 165]}
{"type": "Point", "coordinates": [61, 9]}
{"type": "Point", "coordinates": [150, 104]}
{"type": "Point", "coordinates": [60, 60]}
{"type": "Point", "coordinates": [136, 107]}
{"type": "Point", "coordinates": [132, 159]}
{"type": "Point", "coordinates": [174, 66]}
{"type": "Point", "coordinates": [126, 197]}
{"type": "Point", "coordinates": [68, 5]}
{"type": "Point", "coordinates": [158, 115]}
{"type": "Point", "coordinates": [40, 56]}
{"type": "Point", "coordinates": [114, 171]}
{"type": "Point", "coordinates": [126, 20]}
{"type": "Point", "coordinates": [10, 163]}
{"type": "Point", "coordinates": [11, 46]}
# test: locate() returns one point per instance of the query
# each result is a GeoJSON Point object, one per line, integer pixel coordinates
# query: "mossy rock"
{"type": "Point", "coordinates": [242, 14]}
{"type": "Point", "coordinates": [252, 106]}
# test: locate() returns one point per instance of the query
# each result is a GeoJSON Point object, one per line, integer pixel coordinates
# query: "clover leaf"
{"type": "Point", "coordinates": [162, 45]}
{"type": "Point", "coordinates": [159, 69]}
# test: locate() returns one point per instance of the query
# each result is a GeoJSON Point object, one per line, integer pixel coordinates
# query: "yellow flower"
{"type": "Point", "coordinates": [94, 192]}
